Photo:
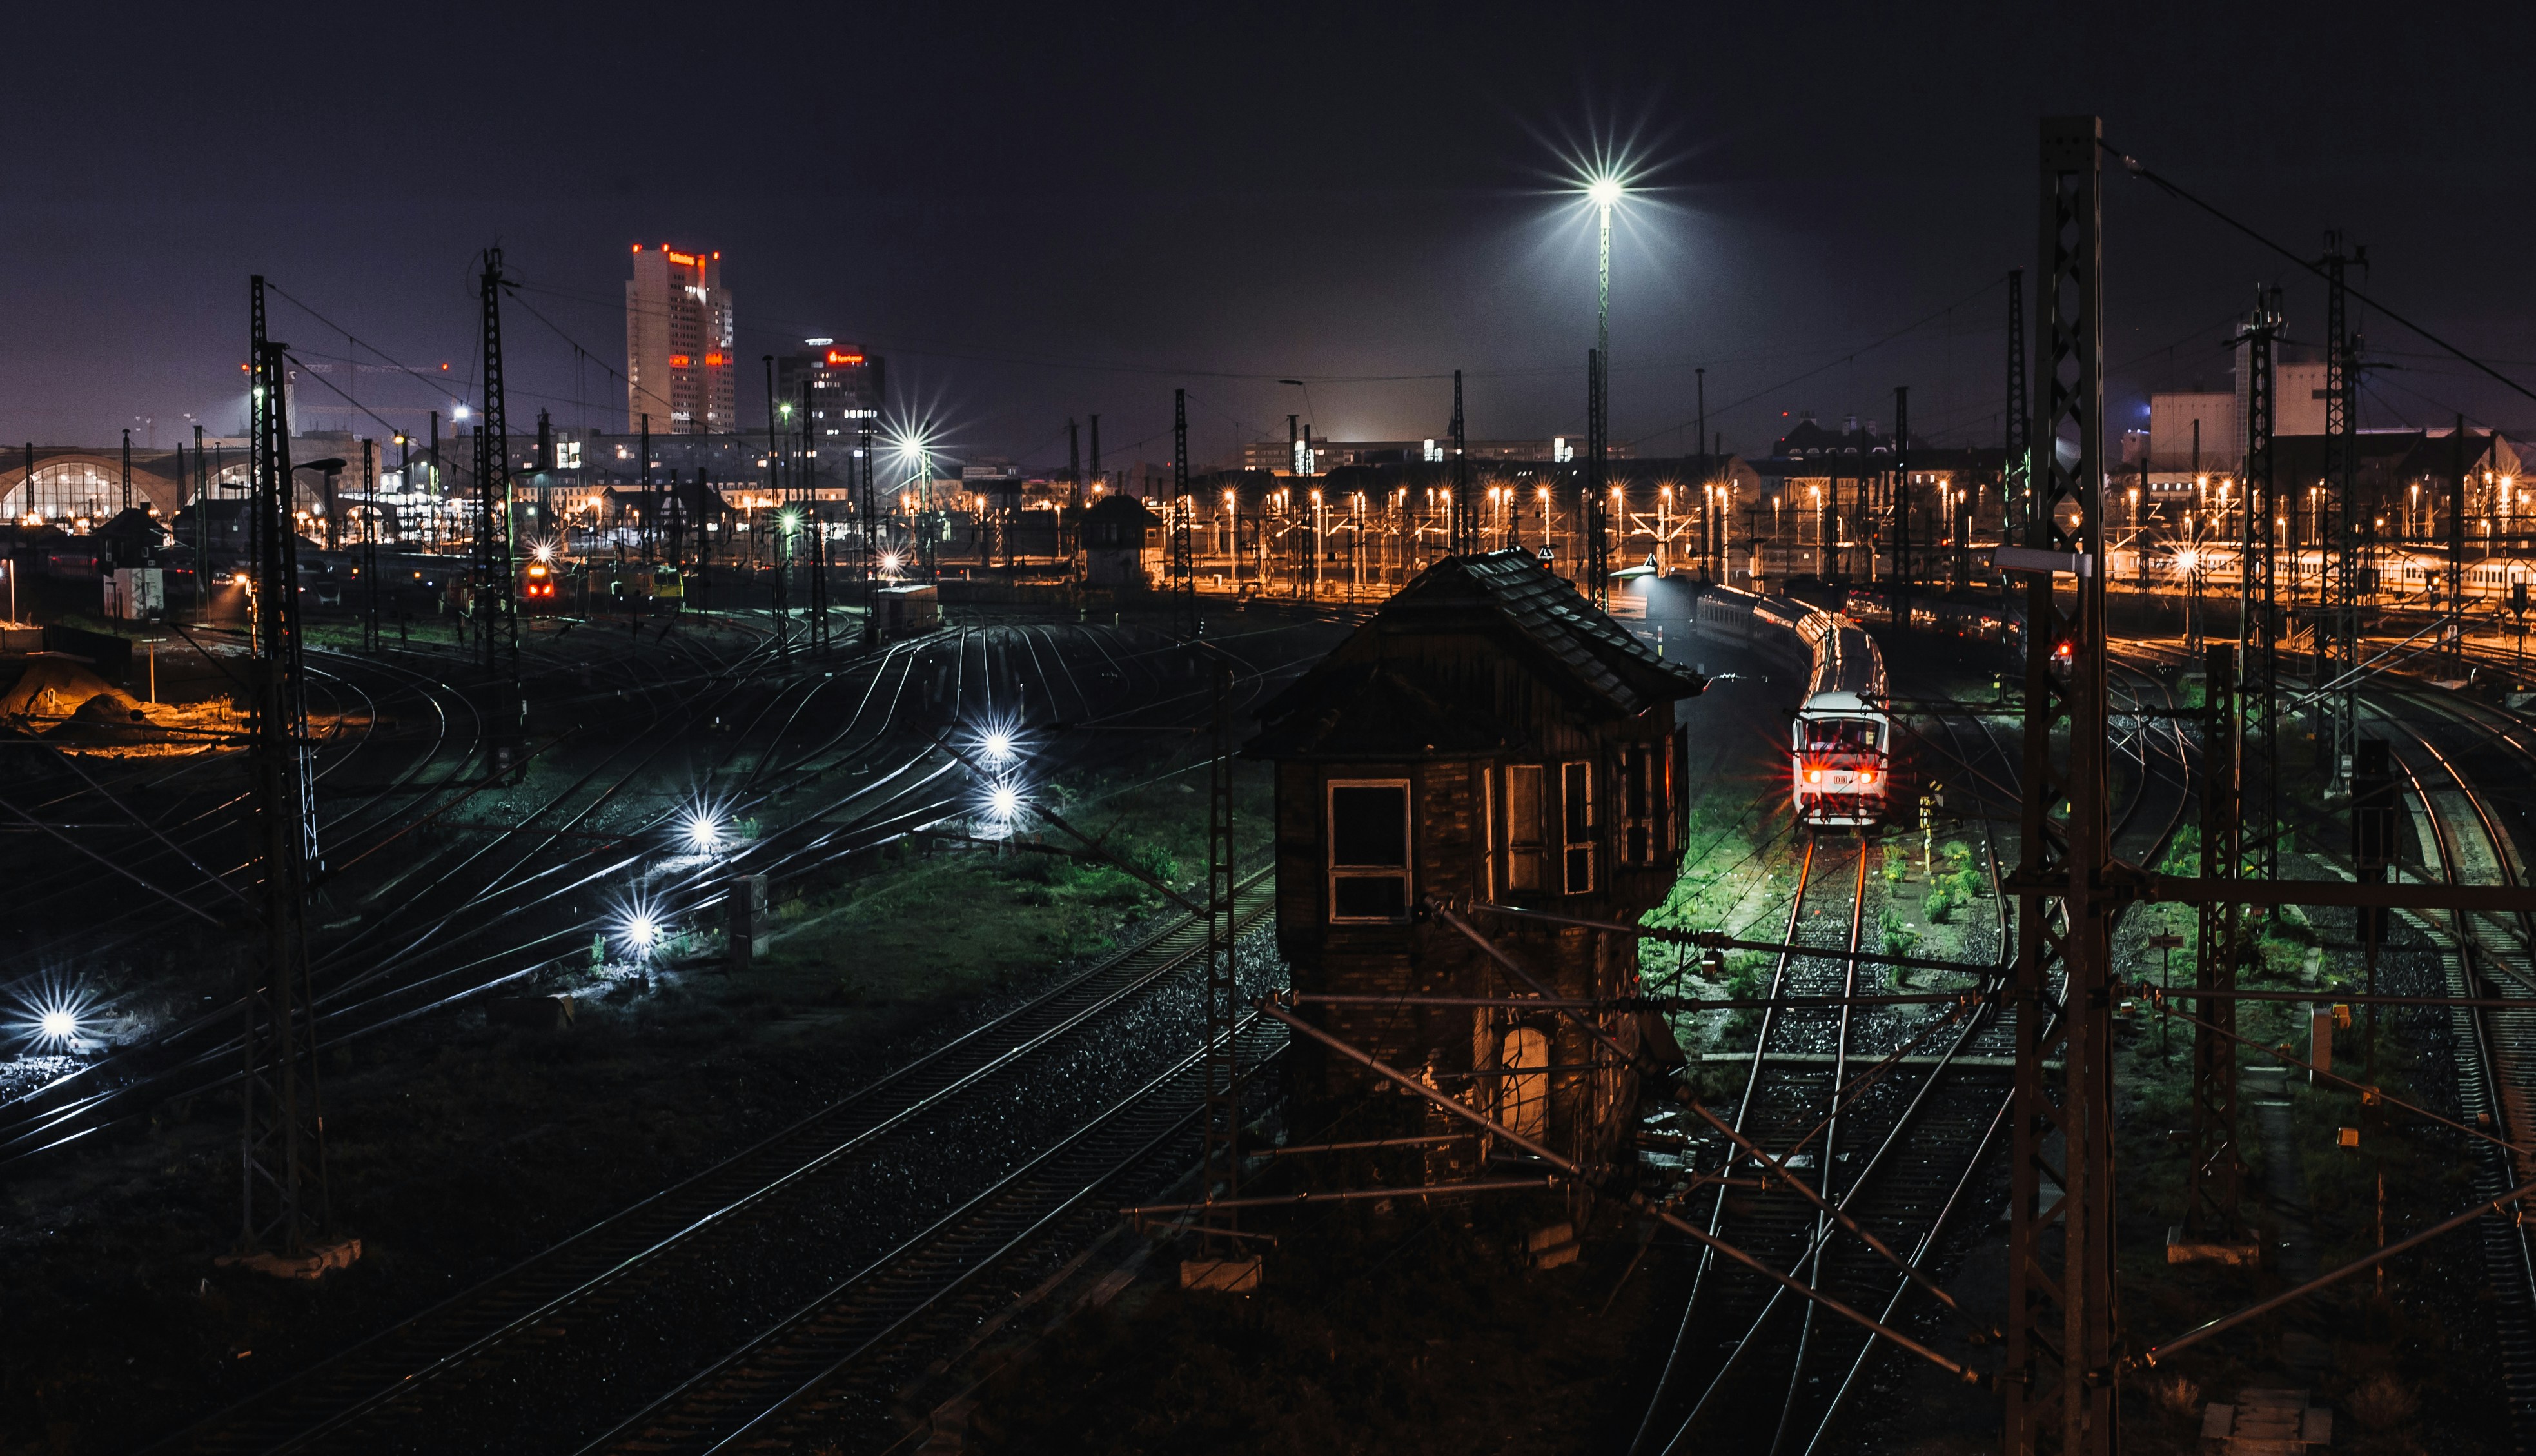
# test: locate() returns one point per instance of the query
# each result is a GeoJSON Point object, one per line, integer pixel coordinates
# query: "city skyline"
{"type": "Point", "coordinates": [1095, 265]}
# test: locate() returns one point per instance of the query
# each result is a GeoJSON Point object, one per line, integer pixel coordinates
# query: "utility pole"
{"type": "Point", "coordinates": [2060, 1314]}
{"type": "Point", "coordinates": [282, 1163]}
{"type": "Point", "coordinates": [780, 609]}
{"type": "Point", "coordinates": [1095, 420]}
{"type": "Point", "coordinates": [1466, 520]}
{"type": "Point", "coordinates": [1598, 546]}
{"type": "Point", "coordinates": [1073, 464]}
{"type": "Point", "coordinates": [127, 470]}
{"type": "Point", "coordinates": [1183, 565]}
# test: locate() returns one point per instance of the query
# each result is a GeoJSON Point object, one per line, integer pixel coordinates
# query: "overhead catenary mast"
{"type": "Point", "coordinates": [1466, 519]}
{"type": "Point", "coordinates": [781, 610]}
{"type": "Point", "coordinates": [810, 521]}
{"type": "Point", "coordinates": [1183, 565]}
{"type": "Point", "coordinates": [496, 609]}
{"type": "Point", "coordinates": [871, 548]}
{"type": "Point", "coordinates": [2016, 468]}
{"type": "Point", "coordinates": [285, 1208]}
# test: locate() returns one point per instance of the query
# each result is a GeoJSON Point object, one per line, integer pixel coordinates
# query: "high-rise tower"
{"type": "Point", "coordinates": [679, 362]}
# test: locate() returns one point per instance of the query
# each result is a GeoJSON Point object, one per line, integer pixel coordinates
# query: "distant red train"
{"type": "Point", "coordinates": [1841, 750]}
{"type": "Point", "coordinates": [538, 582]}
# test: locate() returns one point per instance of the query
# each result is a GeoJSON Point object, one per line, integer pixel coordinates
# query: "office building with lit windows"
{"type": "Point", "coordinates": [679, 368]}
{"type": "Point", "coordinates": [845, 387]}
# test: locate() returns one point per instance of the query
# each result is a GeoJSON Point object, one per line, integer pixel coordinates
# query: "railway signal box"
{"type": "Point", "coordinates": [1488, 737]}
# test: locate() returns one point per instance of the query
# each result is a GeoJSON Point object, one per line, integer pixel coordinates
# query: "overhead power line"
{"type": "Point", "coordinates": [2139, 169]}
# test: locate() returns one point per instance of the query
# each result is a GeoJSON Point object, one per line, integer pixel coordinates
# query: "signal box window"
{"type": "Point", "coordinates": [1643, 792]}
{"type": "Point", "coordinates": [1370, 849]}
{"type": "Point", "coordinates": [1526, 823]}
{"type": "Point", "coordinates": [1576, 802]}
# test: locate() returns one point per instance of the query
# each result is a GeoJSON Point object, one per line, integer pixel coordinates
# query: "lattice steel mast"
{"type": "Point", "coordinates": [2016, 469]}
{"type": "Point", "coordinates": [2212, 1176]}
{"type": "Point", "coordinates": [2338, 624]}
{"type": "Point", "coordinates": [282, 1163]}
{"type": "Point", "coordinates": [496, 609]}
{"type": "Point", "coordinates": [1466, 519]}
{"type": "Point", "coordinates": [1221, 1165]}
{"type": "Point", "coordinates": [1183, 568]}
{"type": "Point", "coordinates": [818, 532]}
{"type": "Point", "coordinates": [2062, 1316]}
{"type": "Point", "coordinates": [1598, 546]}
{"type": "Point", "coordinates": [2257, 606]}
{"type": "Point", "coordinates": [780, 609]}
{"type": "Point", "coordinates": [871, 548]}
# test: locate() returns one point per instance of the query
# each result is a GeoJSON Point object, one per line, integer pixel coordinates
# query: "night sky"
{"type": "Point", "coordinates": [1053, 210]}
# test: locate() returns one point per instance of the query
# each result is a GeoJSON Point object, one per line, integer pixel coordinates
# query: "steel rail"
{"type": "Point", "coordinates": [2508, 1258]}
{"type": "Point", "coordinates": [725, 1405]}
{"type": "Point", "coordinates": [396, 1361]}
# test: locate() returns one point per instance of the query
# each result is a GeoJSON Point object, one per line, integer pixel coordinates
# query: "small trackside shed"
{"type": "Point", "coordinates": [1487, 735]}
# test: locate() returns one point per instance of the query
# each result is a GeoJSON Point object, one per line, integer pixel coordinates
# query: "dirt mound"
{"type": "Point", "coordinates": [56, 687]}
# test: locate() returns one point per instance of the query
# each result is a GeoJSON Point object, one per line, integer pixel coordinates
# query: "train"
{"type": "Point", "coordinates": [538, 582]}
{"type": "Point", "coordinates": [2389, 576]}
{"type": "Point", "coordinates": [634, 586]}
{"type": "Point", "coordinates": [1976, 615]}
{"type": "Point", "coordinates": [1840, 743]}
{"type": "Point", "coordinates": [560, 586]}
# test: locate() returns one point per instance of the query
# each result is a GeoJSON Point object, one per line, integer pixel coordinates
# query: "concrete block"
{"type": "Point", "coordinates": [2181, 1251]}
{"type": "Point", "coordinates": [1549, 1236]}
{"type": "Point", "coordinates": [1224, 1276]}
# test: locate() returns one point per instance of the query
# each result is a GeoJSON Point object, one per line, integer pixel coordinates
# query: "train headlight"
{"type": "Point", "coordinates": [1866, 776]}
{"type": "Point", "coordinates": [1814, 775]}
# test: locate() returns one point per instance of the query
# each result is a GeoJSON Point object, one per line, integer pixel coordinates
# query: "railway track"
{"type": "Point", "coordinates": [350, 1402]}
{"type": "Point", "coordinates": [834, 1362]}
{"type": "Point", "coordinates": [2483, 955]}
{"type": "Point", "coordinates": [1895, 1149]}
{"type": "Point", "coordinates": [1899, 1149]}
{"type": "Point", "coordinates": [1780, 1102]}
{"type": "Point", "coordinates": [523, 908]}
